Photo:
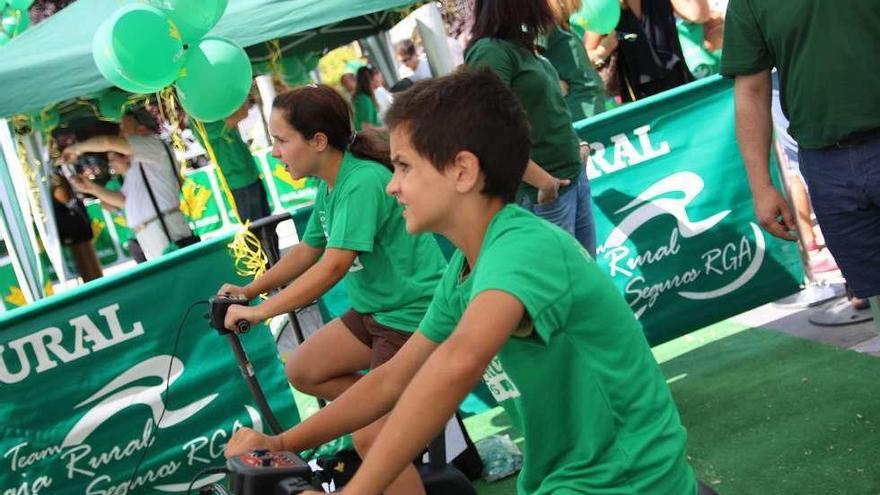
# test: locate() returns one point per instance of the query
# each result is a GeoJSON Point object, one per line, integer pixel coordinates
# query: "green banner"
{"type": "Point", "coordinates": [198, 201]}
{"type": "Point", "coordinates": [291, 193]}
{"type": "Point", "coordinates": [674, 217]}
{"type": "Point", "coordinates": [102, 239]}
{"type": "Point", "coordinates": [123, 233]}
{"type": "Point", "coordinates": [84, 375]}
{"type": "Point", "coordinates": [10, 292]}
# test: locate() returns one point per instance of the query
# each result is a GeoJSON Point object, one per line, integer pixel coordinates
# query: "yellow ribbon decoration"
{"type": "Point", "coordinates": [168, 112]}
{"type": "Point", "coordinates": [199, 127]}
{"type": "Point", "coordinates": [247, 253]}
{"type": "Point", "coordinates": [32, 180]}
{"type": "Point", "coordinates": [275, 55]}
{"type": "Point", "coordinates": [92, 106]}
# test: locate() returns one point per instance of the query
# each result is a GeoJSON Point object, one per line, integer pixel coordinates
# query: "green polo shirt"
{"type": "Point", "coordinates": [232, 153]}
{"type": "Point", "coordinates": [826, 55]}
{"type": "Point", "coordinates": [578, 379]}
{"type": "Point", "coordinates": [394, 274]}
{"type": "Point", "coordinates": [365, 112]}
{"type": "Point", "coordinates": [555, 146]}
{"type": "Point", "coordinates": [586, 91]}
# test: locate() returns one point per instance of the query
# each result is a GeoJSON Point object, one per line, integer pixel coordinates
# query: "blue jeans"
{"type": "Point", "coordinates": [572, 210]}
{"type": "Point", "coordinates": [844, 186]}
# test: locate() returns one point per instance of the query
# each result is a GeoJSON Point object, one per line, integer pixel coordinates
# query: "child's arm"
{"type": "Point", "coordinates": [438, 388]}
{"type": "Point", "coordinates": [547, 185]}
{"type": "Point", "coordinates": [97, 144]}
{"type": "Point", "coordinates": [314, 282]}
{"type": "Point", "coordinates": [367, 400]}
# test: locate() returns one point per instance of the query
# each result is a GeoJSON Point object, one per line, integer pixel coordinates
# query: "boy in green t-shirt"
{"type": "Point", "coordinates": [522, 305]}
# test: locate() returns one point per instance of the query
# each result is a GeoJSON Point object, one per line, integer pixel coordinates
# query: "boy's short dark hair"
{"type": "Point", "coordinates": [468, 110]}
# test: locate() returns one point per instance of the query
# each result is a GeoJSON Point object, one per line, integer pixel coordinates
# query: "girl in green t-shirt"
{"type": "Point", "coordinates": [356, 231]}
{"type": "Point", "coordinates": [581, 85]}
{"type": "Point", "coordinates": [366, 109]}
{"type": "Point", "coordinates": [555, 181]}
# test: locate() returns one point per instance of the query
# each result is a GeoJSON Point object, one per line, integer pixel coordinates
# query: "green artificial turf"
{"type": "Point", "coordinates": [766, 413]}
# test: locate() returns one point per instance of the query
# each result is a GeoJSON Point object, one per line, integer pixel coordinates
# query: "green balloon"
{"type": "Point", "coordinates": [112, 104]}
{"type": "Point", "coordinates": [20, 4]}
{"type": "Point", "coordinates": [138, 49]}
{"type": "Point", "coordinates": [15, 22]}
{"type": "Point", "coordinates": [193, 18]}
{"type": "Point", "coordinates": [598, 16]}
{"type": "Point", "coordinates": [215, 80]}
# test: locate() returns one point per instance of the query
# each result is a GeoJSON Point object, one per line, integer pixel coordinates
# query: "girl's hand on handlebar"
{"type": "Point", "coordinates": [232, 290]}
{"type": "Point", "coordinates": [237, 312]}
{"type": "Point", "coordinates": [245, 440]}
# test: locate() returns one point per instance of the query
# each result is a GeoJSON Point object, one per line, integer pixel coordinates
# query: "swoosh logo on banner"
{"type": "Point", "coordinates": [123, 396]}
{"type": "Point", "coordinates": [650, 207]}
{"type": "Point", "coordinates": [744, 277]}
{"type": "Point", "coordinates": [257, 423]}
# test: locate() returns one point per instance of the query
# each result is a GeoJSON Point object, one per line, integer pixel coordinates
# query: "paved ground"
{"type": "Point", "coordinates": [860, 337]}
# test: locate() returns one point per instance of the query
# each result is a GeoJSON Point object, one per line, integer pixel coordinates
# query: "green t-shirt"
{"type": "Point", "coordinates": [394, 274]}
{"type": "Point", "coordinates": [365, 112]}
{"type": "Point", "coordinates": [235, 159]}
{"type": "Point", "coordinates": [555, 146]}
{"type": "Point", "coordinates": [586, 91]}
{"type": "Point", "coordinates": [826, 54]}
{"type": "Point", "coordinates": [580, 383]}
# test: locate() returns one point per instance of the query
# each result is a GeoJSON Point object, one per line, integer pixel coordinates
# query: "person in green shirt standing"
{"type": "Point", "coordinates": [237, 163]}
{"type": "Point", "coordinates": [366, 110]}
{"type": "Point", "coordinates": [583, 88]}
{"type": "Point", "coordinates": [555, 181]}
{"type": "Point", "coordinates": [817, 47]}
{"type": "Point", "coordinates": [522, 305]}
{"type": "Point", "coordinates": [356, 231]}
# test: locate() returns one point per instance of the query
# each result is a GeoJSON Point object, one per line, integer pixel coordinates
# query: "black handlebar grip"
{"type": "Point", "coordinates": [293, 486]}
{"type": "Point", "coordinates": [243, 326]}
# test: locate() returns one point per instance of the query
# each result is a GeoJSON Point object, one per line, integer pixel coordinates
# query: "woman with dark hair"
{"type": "Point", "coordinates": [582, 87]}
{"type": "Point", "coordinates": [555, 183]}
{"type": "Point", "coordinates": [366, 109]}
{"type": "Point", "coordinates": [356, 231]}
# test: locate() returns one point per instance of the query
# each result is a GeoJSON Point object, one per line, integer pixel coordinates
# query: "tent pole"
{"type": "Point", "coordinates": [15, 231]}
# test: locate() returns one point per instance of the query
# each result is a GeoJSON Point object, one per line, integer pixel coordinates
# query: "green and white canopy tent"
{"type": "Point", "coordinates": [52, 63]}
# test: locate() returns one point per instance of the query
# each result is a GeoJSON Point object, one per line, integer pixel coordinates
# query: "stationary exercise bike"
{"type": "Point", "coordinates": [258, 471]}
{"type": "Point", "coordinates": [261, 471]}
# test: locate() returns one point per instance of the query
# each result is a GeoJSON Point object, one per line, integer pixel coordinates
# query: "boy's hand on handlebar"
{"type": "Point", "coordinates": [245, 440]}
{"type": "Point", "coordinates": [232, 290]}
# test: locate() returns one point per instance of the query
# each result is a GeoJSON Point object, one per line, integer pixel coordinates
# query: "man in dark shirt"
{"type": "Point", "coordinates": [829, 76]}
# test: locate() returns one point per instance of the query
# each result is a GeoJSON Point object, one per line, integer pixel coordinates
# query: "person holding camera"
{"type": "Point", "coordinates": [150, 195]}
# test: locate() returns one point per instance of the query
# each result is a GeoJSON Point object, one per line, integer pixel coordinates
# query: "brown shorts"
{"type": "Point", "coordinates": [384, 341]}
